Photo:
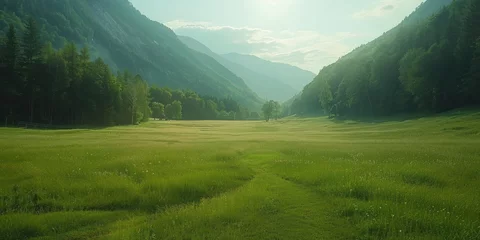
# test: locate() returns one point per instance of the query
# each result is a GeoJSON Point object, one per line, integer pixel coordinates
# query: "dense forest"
{"type": "Point", "coordinates": [42, 85]}
{"type": "Point", "coordinates": [65, 87]}
{"type": "Point", "coordinates": [188, 105]}
{"type": "Point", "coordinates": [427, 63]}
{"type": "Point", "coordinates": [125, 39]}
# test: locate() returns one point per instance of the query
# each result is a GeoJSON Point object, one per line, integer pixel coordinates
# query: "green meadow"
{"type": "Point", "coordinates": [296, 178]}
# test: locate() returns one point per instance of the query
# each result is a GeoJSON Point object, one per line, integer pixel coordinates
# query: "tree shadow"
{"type": "Point", "coordinates": [395, 117]}
{"type": "Point", "coordinates": [50, 127]}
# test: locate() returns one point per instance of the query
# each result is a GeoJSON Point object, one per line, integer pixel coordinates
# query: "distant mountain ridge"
{"type": "Point", "coordinates": [126, 39]}
{"type": "Point", "coordinates": [265, 86]}
{"type": "Point", "coordinates": [288, 74]}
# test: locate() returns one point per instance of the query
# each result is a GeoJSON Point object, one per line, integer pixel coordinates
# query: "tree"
{"type": "Point", "coordinates": [32, 48]}
{"type": "Point", "coordinates": [268, 110]}
{"type": "Point", "coordinates": [254, 115]}
{"type": "Point", "coordinates": [178, 95]}
{"type": "Point", "coordinates": [242, 113]}
{"type": "Point", "coordinates": [161, 95]}
{"type": "Point", "coordinates": [174, 110]}
{"type": "Point", "coordinates": [143, 109]}
{"type": "Point", "coordinates": [158, 110]}
{"type": "Point", "coordinates": [325, 97]}
{"type": "Point", "coordinates": [11, 81]}
{"type": "Point", "coordinates": [426, 63]}
{"type": "Point", "coordinates": [474, 75]}
{"type": "Point", "coordinates": [211, 110]}
{"type": "Point", "coordinates": [57, 87]}
{"type": "Point", "coordinates": [177, 110]}
{"type": "Point", "coordinates": [67, 87]}
{"type": "Point", "coordinates": [12, 49]}
{"type": "Point", "coordinates": [72, 60]}
{"type": "Point", "coordinates": [277, 110]}
{"type": "Point", "coordinates": [31, 44]}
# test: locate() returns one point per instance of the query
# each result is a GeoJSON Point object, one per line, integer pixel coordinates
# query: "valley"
{"type": "Point", "coordinates": [302, 178]}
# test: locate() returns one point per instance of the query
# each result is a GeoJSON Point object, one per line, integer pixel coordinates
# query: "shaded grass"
{"type": "Point", "coordinates": [307, 178]}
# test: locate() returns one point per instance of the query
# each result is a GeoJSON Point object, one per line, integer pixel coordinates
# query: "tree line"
{"type": "Point", "coordinates": [43, 85]}
{"type": "Point", "coordinates": [188, 105]}
{"type": "Point", "coordinates": [64, 87]}
{"type": "Point", "coordinates": [430, 65]}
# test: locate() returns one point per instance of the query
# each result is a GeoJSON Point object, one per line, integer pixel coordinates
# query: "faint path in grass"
{"type": "Point", "coordinates": [267, 207]}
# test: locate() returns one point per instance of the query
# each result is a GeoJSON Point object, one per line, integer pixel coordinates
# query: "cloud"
{"type": "Point", "coordinates": [309, 50]}
{"type": "Point", "coordinates": [388, 7]}
{"type": "Point", "coordinates": [384, 7]}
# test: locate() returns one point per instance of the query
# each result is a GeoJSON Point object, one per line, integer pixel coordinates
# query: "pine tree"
{"type": "Point", "coordinates": [474, 75]}
{"type": "Point", "coordinates": [11, 80]}
{"type": "Point", "coordinates": [12, 49]}
{"type": "Point", "coordinates": [32, 49]}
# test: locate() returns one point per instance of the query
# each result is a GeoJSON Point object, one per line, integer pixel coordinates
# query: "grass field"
{"type": "Point", "coordinates": [308, 178]}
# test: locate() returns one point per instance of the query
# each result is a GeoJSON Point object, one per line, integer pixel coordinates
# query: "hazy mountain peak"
{"type": "Point", "coordinates": [265, 86]}
{"type": "Point", "coordinates": [288, 74]}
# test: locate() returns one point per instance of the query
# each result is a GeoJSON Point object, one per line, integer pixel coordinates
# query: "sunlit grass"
{"type": "Point", "coordinates": [310, 178]}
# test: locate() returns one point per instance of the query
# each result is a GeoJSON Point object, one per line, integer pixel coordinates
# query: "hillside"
{"type": "Point", "coordinates": [427, 63]}
{"type": "Point", "coordinates": [126, 39]}
{"type": "Point", "coordinates": [295, 77]}
{"type": "Point", "coordinates": [265, 86]}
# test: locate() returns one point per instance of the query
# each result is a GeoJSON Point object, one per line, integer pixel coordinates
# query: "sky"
{"type": "Point", "coordinates": [309, 34]}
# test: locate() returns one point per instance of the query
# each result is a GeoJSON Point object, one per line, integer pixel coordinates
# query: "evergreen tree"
{"type": "Point", "coordinates": [11, 78]}
{"type": "Point", "coordinates": [31, 57]}
{"type": "Point", "coordinates": [474, 75]}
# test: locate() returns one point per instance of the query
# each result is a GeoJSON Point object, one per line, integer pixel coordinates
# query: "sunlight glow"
{"type": "Point", "coordinates": [272, 9]}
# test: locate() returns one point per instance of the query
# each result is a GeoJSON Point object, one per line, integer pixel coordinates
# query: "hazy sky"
{"type": "Point", "coordinates": [307, 33]}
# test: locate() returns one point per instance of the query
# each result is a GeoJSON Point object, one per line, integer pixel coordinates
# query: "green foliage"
{"type": "Point", "coordinates": [118, 33]}
{"type": "Point", "coordinates": [271, 109]}
{"type": "Point", "coordinates": [10, 55]}
{"type": "Point", "coordinates": [65, 87]}
{"type": "Point", "coordinates": [174, 110]}
{"type": "Point", "coordinates": [424, 64]}
{"type": "Point", "coordinates": [473, 84]}
{"type": "Point", "coordinates": [158, 110]}
{"type": "Point", "coordinates": [195, 107]}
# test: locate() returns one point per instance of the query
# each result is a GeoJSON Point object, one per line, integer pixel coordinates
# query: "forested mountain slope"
{"type": "Point", "coordinates": [265, 86]}
{"type": "Point", "coordinates": [288, 74]}
{"type": "Point", "coordinates": [117, 32]}
{"type": "Point", "coordinates": [424, 64]}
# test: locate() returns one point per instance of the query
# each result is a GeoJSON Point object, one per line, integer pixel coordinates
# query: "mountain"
{"type": "Point", "coordinates": [293, 76]}
{"type": "Point", "coordinates": [265, 86]}
{"type": "Point", "coordinates": [126, 39]}
{"type": "Point", "coordinates": [429, 63]}
{"type": "Point", "coordinates": [426, 10]}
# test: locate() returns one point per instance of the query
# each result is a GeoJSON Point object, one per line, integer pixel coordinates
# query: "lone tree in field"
{"type": "Point", "coordinates": [158, 110]}
{"type": "Point", "coordinates": [271, 109]}
{"type": "Point", "coordinates": [268, 109]}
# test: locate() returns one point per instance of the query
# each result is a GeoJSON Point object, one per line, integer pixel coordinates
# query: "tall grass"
{"type": "Point", "coordinates": [290, 179]}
